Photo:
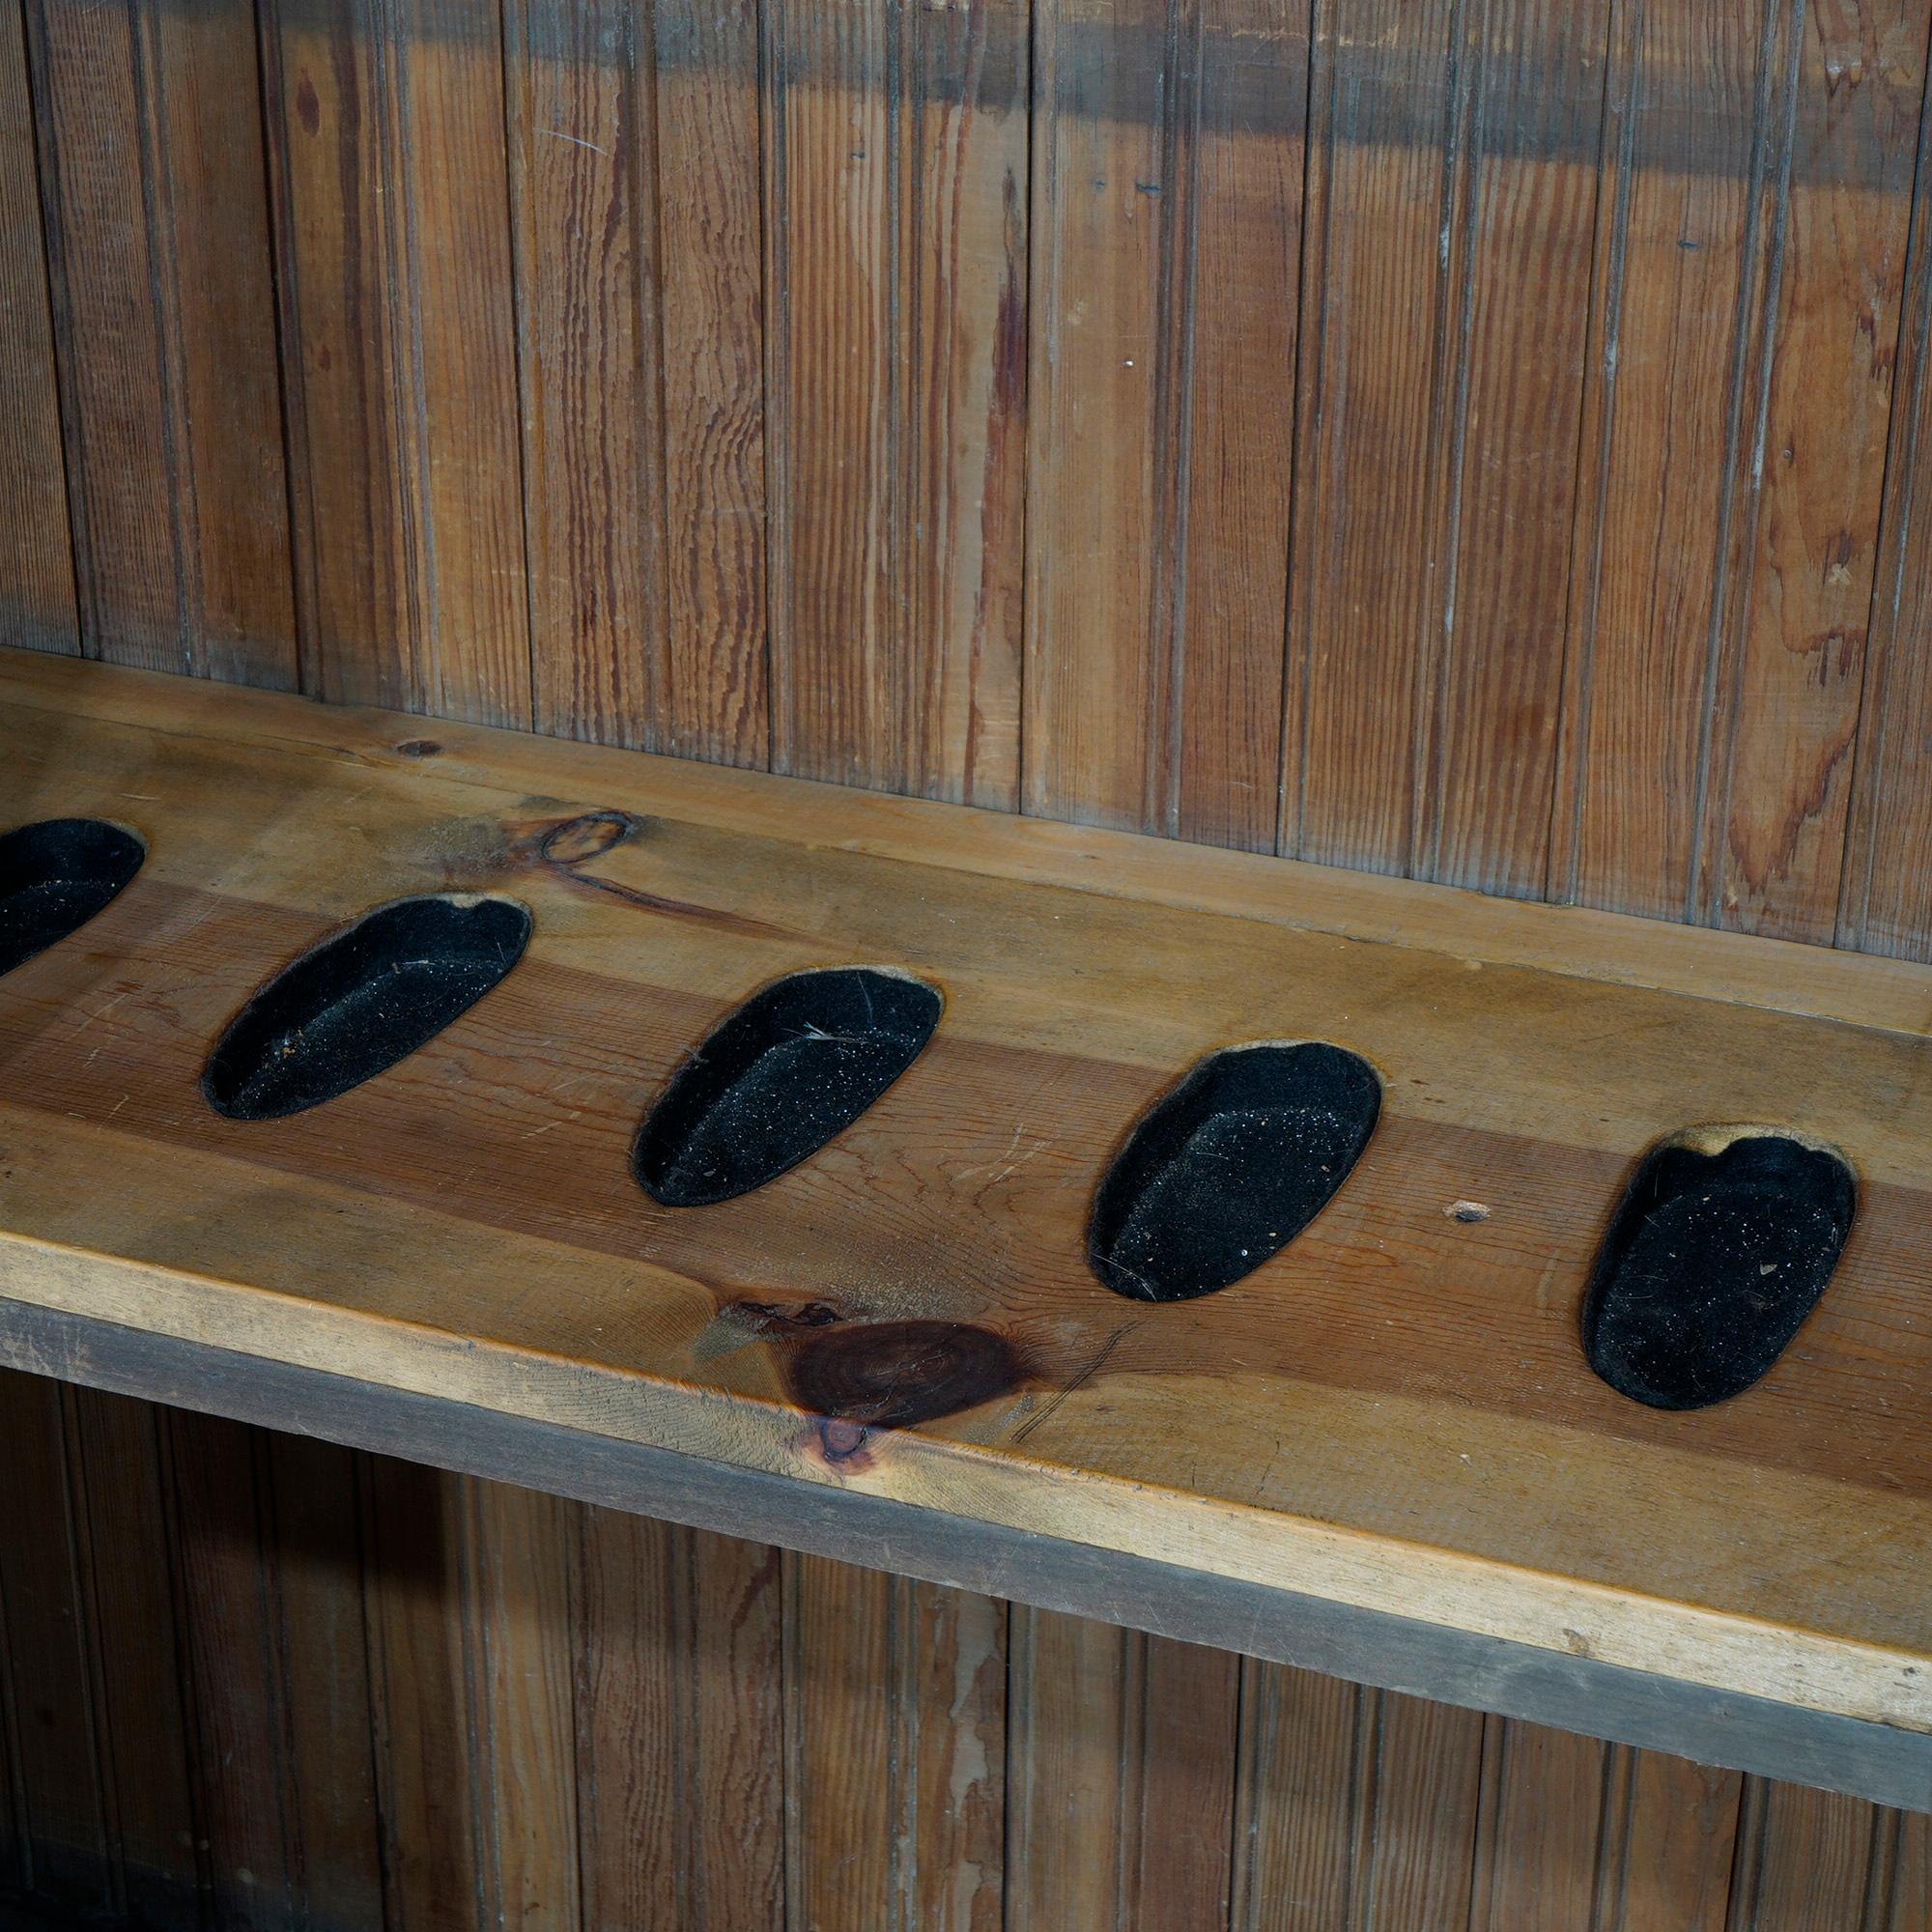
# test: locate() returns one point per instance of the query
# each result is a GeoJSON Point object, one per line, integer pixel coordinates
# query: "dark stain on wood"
{"type": "Point", "coordinates": [892, 1374]}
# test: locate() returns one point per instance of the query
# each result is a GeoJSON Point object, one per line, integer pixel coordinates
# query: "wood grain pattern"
{"type": "Point", "coordinates": [895, 179]}
{"type": "Point", "coordinates": [36, 605]}
{"type": "Point", "coordinates": [1676, 246]}
{"type": "Point", "coordinates": [387, 123]}
{"type": "Point", "coordinates": [158, 245]}
{"type": "Point", "coordinates": [1791, 676]}
{"type": "Point", "coordinates": [895, 1742]}
{"type": "Point", "coordinates": [681, 1694]}
{"type": "Point", "coordinates": [1481, 1556]}
{"type": "Point", "coordinates": [1367, 498]}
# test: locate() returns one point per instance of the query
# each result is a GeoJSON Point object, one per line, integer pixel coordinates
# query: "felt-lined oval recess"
{"type": "Point", "coordinates": [1720, 1247]}
{"type": "Point", "coordinates": [1230, 1167]}
{"type": "Point", "coordinates": [54, 876]}
{"type": "Point", "coordinates": [794, 1067]}
{"type": "Point", "coordinates": [363, 999]}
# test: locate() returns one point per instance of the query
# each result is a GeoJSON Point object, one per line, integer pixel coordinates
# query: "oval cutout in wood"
{"type": "Point", "coordinates": [793, 1068]}
{"type": "Point", "coordinates": [1720, 1247]}
{"type": "Point", "coordinates": [1230, 1167]}
{"type": "Point", "coordinates": [365, 998]}
{"type": "Point", "coordinates": [54, 876]}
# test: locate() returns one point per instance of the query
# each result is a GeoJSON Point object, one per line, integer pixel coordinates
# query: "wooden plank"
{"type": "Point", "coordinates": [1367, 507]}
{"type": "Point", "coordinates": [680, 1696]}
{"type": "Point", "coordinates": [1885, 906]}
{"type": "Point", "coordinates": [163, 313]}
{"type": "Point", "coordinates": [642, 362]}
{"type": "Point", "coordinates": [1072, 1011]}
{"type": "Point", "coordinates": [1880, 1762]}
{"type": "Point", "coordinates": [313, 1491]}
{"type": "Point", "coordinates": [710, 136]}
{"type": "Point", "coordinates": [1218, 713]}
{"type": "Point", "coordinates": [1539, 1828]}
{"type": "Point", "coordinates": [1791, 667]}
{"type": "Point", "coordinates": [1122, 1778]}
{"type": "Point", "coordinates": [1166, 217]}
{"type": "Point", "coordinates": [131, 1556]}
{"type": "Point", "coordinates": [523, 1710]}
{"type": "Point", "coordinates": [37, 607]}
{"type": "Point", "coordinates": [896, 1751]}
{"type": "Point", "coordinates": [1809, 1860]}
{"type": "Point", "coordinates": [584, 198]}
{"type": "Point", "coordinates": [1359, 1808]}
{"type": "Point", "coordinates": [386, 126]}
{"type": "Point", "coordinates": [231, 1634]}
{"type": "Point", "coordinates": [1668, 1846]}
{"type": "Point", "coordinates": [1102, 400]}
{"type": "Point", "coordinates": [1686, 101]}
{"type": "Point", "coordinates": [62, 1794]}
{"type": "Point", "coordinates": [896, 181]}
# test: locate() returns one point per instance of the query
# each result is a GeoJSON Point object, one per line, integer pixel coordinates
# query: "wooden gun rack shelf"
{"type": "Point", "coordinates": [1381, 1453]}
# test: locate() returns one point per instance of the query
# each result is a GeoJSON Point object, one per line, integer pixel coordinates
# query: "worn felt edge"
{"type": "Point", "coordinates": [992, 1485]}
{"type": "Point", "coordinates": [1573, 942]}
{"type": "Point", "coordinates": [1736, 1730]}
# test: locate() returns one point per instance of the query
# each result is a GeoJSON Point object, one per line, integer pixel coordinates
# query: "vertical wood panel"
{"type": "Point", "coordinates": [1516, 330]}
{"type": "Point", "coordinates": [1669, 1844]}
{"type": "Point", "coordinates": [1220, 714]}
{"type": "Point", "coordinates": [1167, 240]}
{"type": "Point", "coordinates": [895, 230]}
{"type": "Point", "coordinates": [1368, 502]}
{"type": "Point", "coordinates": [240, 1700]}
{"type": "Point", "coordinates": [313, 1492]}
{"type": "Point", "coordinates": [62, 1798]}
{"type": "Point", "coordinates": [37, 607]}
{"type": "Point", "coordinates": [640, 335]}
{"type": "Point", "coordinates": [1791, 673]}
{"type": "Point", "coordinates": [584, 191]}
{"type": "Point", "coordinates": [1886, 904]}
{"type": "Point", "coordinates": [421, 1665]}
{"type": "Point", "coordinates": [1102, 398]}
{"type": "Point", "coordinates": [1540, 1830]}
{"type": "Point", "coordinates": [152, 176]}
{"type": "Point", "coordinates": [680, 1765]}
{"type": "Point", "coordinates": [1684, 107]}
{"type": "Point", "coordinates": [1357, 1809]}
{"type": "Point", "coordinates": [473, 1629]}
{"type": "Point", "coordinates": [125, 1508]}
{"type": "Point", "coordinates": [895, 1752]}
{"type": "Point", "coordinates": [393, 237]}
{"type": "Point", "coordinates": [522, 1663]}
{"type": "Point", "coordinates": [711, 235]}
{"type": "Point", "coordinates": [1121, 1776]}
{"type": "Point", "coordinates": [1811, 1861]}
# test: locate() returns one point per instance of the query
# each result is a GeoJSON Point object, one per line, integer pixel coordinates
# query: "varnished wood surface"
{"type": "Point", "coordinates": [1393, 1414]}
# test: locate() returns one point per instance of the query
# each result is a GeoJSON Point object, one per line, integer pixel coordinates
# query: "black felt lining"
{"type": "Point", "coordinates": [1711, 1264]}
{"type": "Point", "coordinates": [1230, 1167]}
{"type": "Point", "coordinates": [54, 876]}
{"type": "Point", "coordinates": [796, 1064]}
{"type": "Point", "coordinates": [365, 998]}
